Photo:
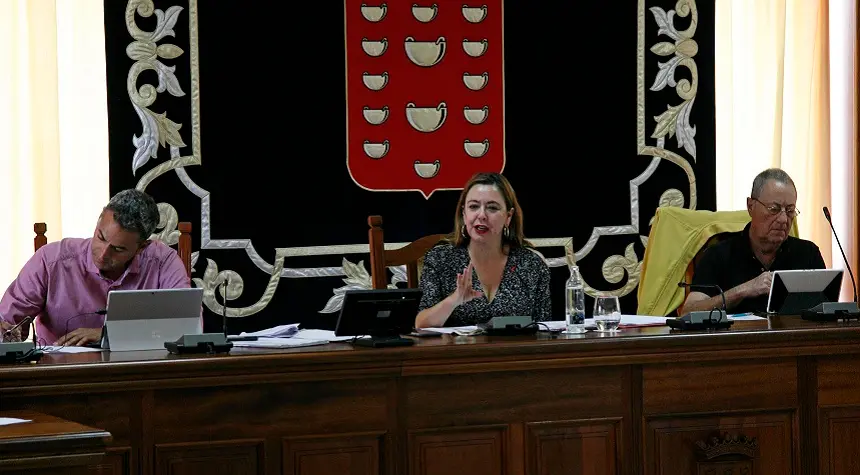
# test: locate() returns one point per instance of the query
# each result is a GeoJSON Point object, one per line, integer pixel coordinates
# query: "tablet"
{"type": "Point", "coordinates": [793, 291]}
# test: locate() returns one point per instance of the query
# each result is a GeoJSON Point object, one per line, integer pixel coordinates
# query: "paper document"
{"type": "Point", "coordinates": [466, 330]}
{"type": "Point", "coordinates": [552, 325]}
{"type": "Point", "coordinates": [745, 316]}
{"type": "Point", "coordinates": [321, 335]}
{"type": "Point", "coordinates": [5, 421]}
{"type": "Point", "coordinates": [264, 342]}
{"type": "Point", "coordinates": [642, 321]}
{"type": "Point", "coordinates": [69, 349]}
{"type": "Point", "coordinates": [280, 331]}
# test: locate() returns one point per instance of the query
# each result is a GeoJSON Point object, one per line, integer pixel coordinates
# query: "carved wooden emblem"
{"type": "Point", "coordinates": [727, 455]}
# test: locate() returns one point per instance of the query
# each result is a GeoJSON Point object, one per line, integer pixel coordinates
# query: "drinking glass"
{"type": "Point", "coordinates": [607, 313]}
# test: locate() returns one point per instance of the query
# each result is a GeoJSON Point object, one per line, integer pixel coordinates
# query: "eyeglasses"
{"type": "Point", "coordinates": [775, 208]}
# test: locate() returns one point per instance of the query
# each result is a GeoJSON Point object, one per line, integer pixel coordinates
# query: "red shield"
{"type": "Point", "coordinates": [425, 93]}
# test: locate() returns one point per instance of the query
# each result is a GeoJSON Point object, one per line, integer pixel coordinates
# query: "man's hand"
{"type": "Point", "coordinates": [13, 336]}
{"type": "Point", "coordinates": [80, 337]}
{"type": "Point", "coordinates": [759, 286]}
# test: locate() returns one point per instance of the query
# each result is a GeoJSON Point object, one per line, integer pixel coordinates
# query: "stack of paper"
{"type": "Point", "coordinates": [327, 335]}
{"type": "Point", "coordinates": [264, 342]}
{"type": "Point", "coordinates": [280, 331]}
{"type": "Point", "coordinates": [289, 336]}
{"type": "Point", "coordinates": [467, 330]}
{"type": "Point", "coordinates": [5, 421]}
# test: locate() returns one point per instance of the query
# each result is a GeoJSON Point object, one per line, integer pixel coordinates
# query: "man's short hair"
{"type": "Point", "coordinates": [135, 211]}
{"type": "Point", "coordinates": [775, 174]}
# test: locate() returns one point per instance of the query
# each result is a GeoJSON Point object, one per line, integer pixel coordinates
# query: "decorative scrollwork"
{"type": "Point", "coordinates": [615, 268]}
{"type": "Point", "coordinates": [168, 220]}
{"type": "Point", "coordinates": [357, 278]}
{"type": "Point", "coordinates": [675, 122]}
{"type": "Point", "coordinates": [212, 280]}
{"type": "Point", "coordinates": [158, 130]}
{"type": "Point", "coordinates": [670, 197]}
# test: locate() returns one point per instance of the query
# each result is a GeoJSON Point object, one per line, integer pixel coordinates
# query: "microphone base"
{"type": "Point", "coordinates": [206, 343]}
{"type": "Point", "coordinates": [19, 352]}
{"type": "Point", "coordinates": [832, 312]}
{"type": "Point", "coordinates": [383, 341]}
{"type": "Point", "coordinates": [699, 320]}
{"type": "Point", "coordinates": [702, 316]}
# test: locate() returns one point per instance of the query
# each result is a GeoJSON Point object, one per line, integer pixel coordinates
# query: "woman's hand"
{"type": "Point", "coordinates": [464, 291]}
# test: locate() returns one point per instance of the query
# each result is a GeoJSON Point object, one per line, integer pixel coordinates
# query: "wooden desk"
{"type": "Point", "coordinates": [49, 445]}
{"type": "Point", "coordinates": [632, 403]}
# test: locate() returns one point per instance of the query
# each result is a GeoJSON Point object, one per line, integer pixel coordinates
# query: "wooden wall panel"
{"type": "Point", "coordinates": [839, 380]}
{"type": "Point", "coordinates": [522, 396]}
{"type": "Point", "coordinates": [671, 443]}
{"type": "Point", "coordinates": [582, 446]}
{"type": "Point", "coordinates": [353, 454]}
{"type": "Point", "coordinates": [705, 387]}
{"type": "Point", "coordinates": [237, 457]}
{"type": "Point", "coordinates": [840, 441]}
{"type": "Point", "coordinates": [446, 451]}
{"type": "Point", "coordinates": [272, 409]}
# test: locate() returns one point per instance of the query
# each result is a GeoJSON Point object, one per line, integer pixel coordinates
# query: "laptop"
{"type": "Point", "coordinates": [793, 291]}
{"type": "Point", "coordinates": [145, 319]}
{"type": "Point", "coordinates": [378, 316]}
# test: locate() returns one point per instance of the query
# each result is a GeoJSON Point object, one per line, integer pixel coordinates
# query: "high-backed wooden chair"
{"type": "Point", "coordinates": [409, 255]}
{"type": "Point", "coordinates": [183, 249]}
{"type": "Point", "coordinates": [184, 246]}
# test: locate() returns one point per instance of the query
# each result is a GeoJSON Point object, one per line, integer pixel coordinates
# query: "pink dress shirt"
{"type": "Point", "coordinates": [62, 287]}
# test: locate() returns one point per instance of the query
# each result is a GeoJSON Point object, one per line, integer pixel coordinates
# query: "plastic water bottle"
{"type": "Point", "coordinates": [574, 302]}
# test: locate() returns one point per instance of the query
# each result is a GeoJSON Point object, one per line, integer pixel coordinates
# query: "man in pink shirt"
{"type": "Point", "coordinates": [65, 284]}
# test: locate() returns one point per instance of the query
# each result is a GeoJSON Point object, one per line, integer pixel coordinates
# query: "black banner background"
{"type": "Point", "coordinates": [273, 138]}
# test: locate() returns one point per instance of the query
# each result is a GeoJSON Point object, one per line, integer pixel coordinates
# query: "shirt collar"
{"type": "Point", "coordinates": [747, 246]}
{"type": "Point", "coordinates": [133, 268]}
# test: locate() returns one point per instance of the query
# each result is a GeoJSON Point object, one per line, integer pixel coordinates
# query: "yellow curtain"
{"type": "Point", "coordinates": [53, 123]}
{"type": "Point", "coordinates": [773, 109]}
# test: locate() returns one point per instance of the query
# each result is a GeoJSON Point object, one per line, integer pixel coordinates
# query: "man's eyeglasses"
{"type": "Point", "coordinates": [775, 208]}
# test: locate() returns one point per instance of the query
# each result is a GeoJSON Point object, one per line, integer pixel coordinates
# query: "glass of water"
{"type": "Point", "coordinates": [607, 313]}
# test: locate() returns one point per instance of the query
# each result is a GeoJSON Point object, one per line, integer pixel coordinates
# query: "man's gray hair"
{"type": "Point", "coordinates": [135, 211]}
{"type": "Point", "coordinates": [776, 174]}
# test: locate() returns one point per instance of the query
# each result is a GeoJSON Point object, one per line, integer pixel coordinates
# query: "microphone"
{"type": "Point", "coordinates": [8, 332]}
{"type": "Point", "coordinates": [847, 266]}
{"type": "Point", "coordinates": [208, 343]}
{"type": "Point", "coordinates": [703, 319]}
{"type": "Point", "coordinates": [706, 286]}
{"type": "Point", "coordinates": [18, 351]}
{"type": "Point", "coordinates": [224, 286]}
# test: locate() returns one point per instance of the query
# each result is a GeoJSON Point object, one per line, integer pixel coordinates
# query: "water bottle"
{"type": "Point", "coordinates": [574, 302]}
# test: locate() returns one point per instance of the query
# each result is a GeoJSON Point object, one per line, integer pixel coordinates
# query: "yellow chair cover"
{"type": "Point", "coordinates": [677, 235]}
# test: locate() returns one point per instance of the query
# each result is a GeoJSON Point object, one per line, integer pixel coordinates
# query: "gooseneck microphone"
{"type": "Point", "coordinates": [706, 286]}
{"type": "Point", "coordinates": [8, 332]}
{"type": "Point", "coordinates": [224, 286]}
{"type": "Point", "coordinates": [702, 319]}
{"type": "Point", "coordinates": [847, 266]}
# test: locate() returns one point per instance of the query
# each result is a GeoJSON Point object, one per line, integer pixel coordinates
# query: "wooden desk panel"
{"type": "Point", "coordinates": [633, 403]}
{"type": "Point", "coordinates": [49, 445]}
{"type": "Point", "coordinates": [703, 387]}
